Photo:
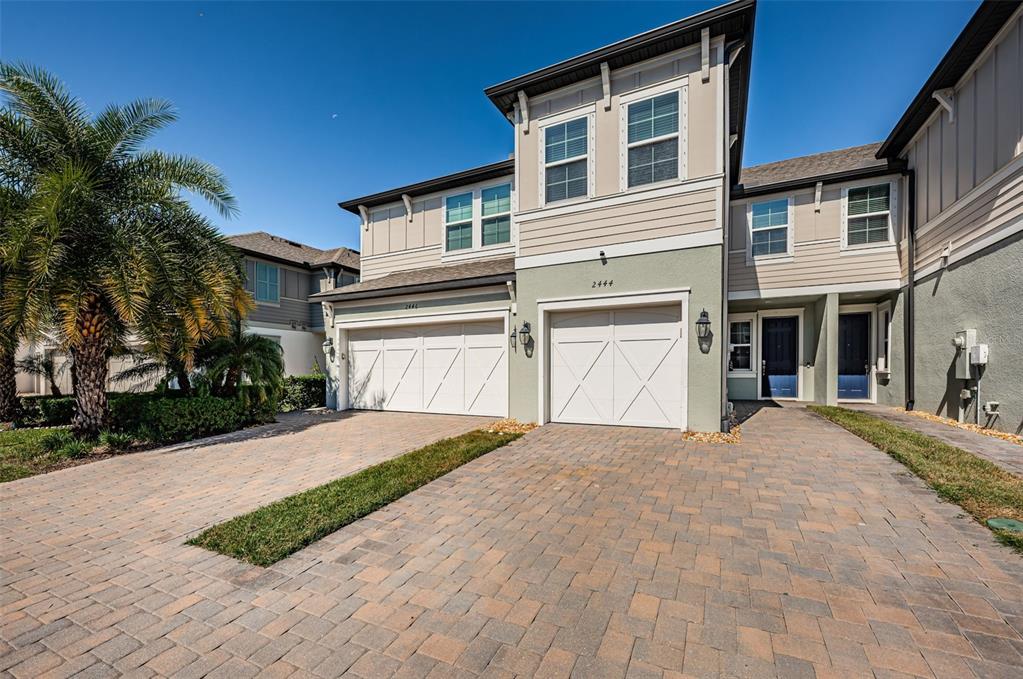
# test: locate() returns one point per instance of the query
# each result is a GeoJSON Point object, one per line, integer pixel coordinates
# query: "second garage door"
{"type": "Point", "coordinates": [622, 367]}
{"type": "Point", "coordinates": [455, 368]}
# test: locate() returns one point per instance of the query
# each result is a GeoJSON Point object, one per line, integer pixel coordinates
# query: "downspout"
{"type": "Point", "coordinates": [910, 264]}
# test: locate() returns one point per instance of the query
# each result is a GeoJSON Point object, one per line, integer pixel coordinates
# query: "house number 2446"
{"type": "Point", "coordinates": [602, 284]}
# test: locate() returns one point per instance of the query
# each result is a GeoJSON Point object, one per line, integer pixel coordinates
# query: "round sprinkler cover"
{"type": "Point", "coordinates": [1006, 524]}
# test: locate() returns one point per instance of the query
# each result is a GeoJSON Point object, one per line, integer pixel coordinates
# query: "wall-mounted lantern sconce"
{"type": "Point", "coordinates": [524, 333]}
{"type": "Point", "coordinates": [328, 348]}
{"type": "Point", "coordinates": [704, 336]}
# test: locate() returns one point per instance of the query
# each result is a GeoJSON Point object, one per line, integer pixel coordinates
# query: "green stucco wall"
{"type": "Point", "coordinates": [698, 269]}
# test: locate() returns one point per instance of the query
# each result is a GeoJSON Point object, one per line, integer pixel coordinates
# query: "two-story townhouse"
{"type": "Point", "coordinates": [281, 274]}
{"type": "Point", "coordinates": [573, 283]}
{"type": "Point", "coordinates": [621, 269]}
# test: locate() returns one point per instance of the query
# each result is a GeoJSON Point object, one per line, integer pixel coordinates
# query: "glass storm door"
{"type": "Point", "coordinates": [854, 356]}
{"type": "Point", "coordinates": [779, 366]}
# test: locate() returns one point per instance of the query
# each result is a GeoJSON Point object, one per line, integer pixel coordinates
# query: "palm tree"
{"type": "Point", "coordinates": [243, 364]}
{"type": "Point", "coordinates": [107, 248]}
{"type": "Point", "coordinates": [43, 365]}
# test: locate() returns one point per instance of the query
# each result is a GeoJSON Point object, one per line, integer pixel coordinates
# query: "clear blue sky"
{"type": "Point", "coordinates": [306, 104]}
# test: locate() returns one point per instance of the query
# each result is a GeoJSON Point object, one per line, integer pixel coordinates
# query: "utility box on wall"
{"type": "Point", "coordinates": [964, 341]}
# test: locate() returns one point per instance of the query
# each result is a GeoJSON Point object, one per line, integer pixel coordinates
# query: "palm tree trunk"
{"type": "Point", "coordinates": [52, 377]}
{"type": "Point", "coordinates": [184, 384]}
{"type": "Point", "coordinates": [8, 384]}
{"type": "Point", "coordinates": [90, 382]}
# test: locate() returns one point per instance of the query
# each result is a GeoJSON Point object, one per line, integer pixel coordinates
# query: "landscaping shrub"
{"type": "Point", "coordinates": [63, 444]}
{"type": "Point", "coordinates": [46, 411]}
{"type": "Point", "coordinates": [117, 440]}
{"type": "Point", "coordinates": [304, 391]}
{"type": "Point", "coordinates": [168, 420]}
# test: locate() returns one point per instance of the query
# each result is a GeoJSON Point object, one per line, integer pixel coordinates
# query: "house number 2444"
{"type": "Point", "coordinates": [602, 284]}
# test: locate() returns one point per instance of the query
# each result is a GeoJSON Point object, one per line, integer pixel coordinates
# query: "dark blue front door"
{"type": "Point", "coordinates": [854, 356]}
{"type": "Point", "coordinates": [779, 352]}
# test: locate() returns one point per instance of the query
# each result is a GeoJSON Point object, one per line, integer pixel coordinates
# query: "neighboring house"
{"type": "Point", "coordinates": [621, 269]}
{"type": "Point", "coordinates": [281, 275]}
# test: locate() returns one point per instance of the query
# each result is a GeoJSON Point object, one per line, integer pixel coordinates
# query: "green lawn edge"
{"type": "Point", "coordinates": [277, 530]}
{"type": "Point", "coordinates": [983, 489]}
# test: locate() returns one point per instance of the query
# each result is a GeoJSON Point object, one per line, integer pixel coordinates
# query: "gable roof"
{"type": "Point", "coordinates": [449, 277]}
{"type": "Point", "coordinates": [849, 163]}
{"type": "Point", "coordinates": [982, 28]}
{"type": "Point", "coordinates": [450, 181]}
{"type": "Point", "coordinates": [287, 251]}
{"type": "Point", "coordinates": [735, 20]}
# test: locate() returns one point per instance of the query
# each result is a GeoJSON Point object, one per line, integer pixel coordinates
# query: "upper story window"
{"type": "Point", "coordinates": [458, 221]}
{"type": "Point", "coordinates": [496, 212]}
{"type": "Point", "coordinates": [868, 215]}
{"type": "Point", "coordinates": [267, 283]}
{"type": "Point", "coordinates": [769, 227]}
{"type": "Point", "coordinates": [653, 140]}
{"type": "Point", "coordinates": [566, 159]}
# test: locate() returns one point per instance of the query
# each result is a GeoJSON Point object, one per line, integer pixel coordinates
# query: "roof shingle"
{"type": "Point", "coordinates": [276, 247]}
{"type": "Point", "coordinates": [451, 276]}
{"type": "Point", "coordinates": [816, 165]}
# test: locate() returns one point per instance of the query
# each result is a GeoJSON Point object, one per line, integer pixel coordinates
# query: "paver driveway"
{"type": "Point", "coordinates": [576, 550]}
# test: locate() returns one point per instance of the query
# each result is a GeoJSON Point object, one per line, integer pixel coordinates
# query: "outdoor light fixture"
{"type": "Point", "coordinates": [703, 332]}
{"type": "Point", "coordinates": [328, 347]}
{"type": "Point", "coordinates": [524, 333]}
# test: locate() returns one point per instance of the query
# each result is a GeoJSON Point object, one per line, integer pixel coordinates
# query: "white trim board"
{"type": "Point", "coordinates": [983, 187]}
{"type": "Point", "coordinates": [1007, 231]}
{"type": "Point", "coordinates": [639, 247]}
{"type": "Point", "coordinates": [879, 286]}
{"type": "Point", "coordinates": [630, 299]}
{"type": "Point", "coordinates": [368, 302]}
{"type": "Point", "coordinates": [427, 318]}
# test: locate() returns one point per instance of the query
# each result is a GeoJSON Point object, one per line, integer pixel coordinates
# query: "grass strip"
{"type": "Point", "coordinates": [271, 533]}
{"type": "Point", "coordinates": [980, 487]}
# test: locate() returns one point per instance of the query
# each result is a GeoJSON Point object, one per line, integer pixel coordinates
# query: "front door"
{"type": "Point", "coordinates": [779, 366]}
{"type": "Point", "coordinates": [854, 356]}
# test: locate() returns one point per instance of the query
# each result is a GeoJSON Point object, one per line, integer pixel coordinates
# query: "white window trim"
{"type": "Point", "coordinates": [680, 85]}
{"type": "Point", "coordinates": [508, 213]}
{"type": "Point", "coordinates": [589, 113]}
{"type": "Point", "coordinates": [884, 350]}
{"type": "Point", "coordinates": [790, 232]}
{"type": "Point", "coordinates": [750, 318]}
{"type": "Point", "coordinates": [255, 285]}
{"type": "Point", "coordinates": [893, 204]}
{"type": "Point", "coordinates": [477, 247]}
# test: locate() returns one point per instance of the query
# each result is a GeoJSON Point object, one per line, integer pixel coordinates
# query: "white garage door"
{"type": "Point", "coordinates": [457, 368]}
{"type": "Point", "coordinates": [623, 367]}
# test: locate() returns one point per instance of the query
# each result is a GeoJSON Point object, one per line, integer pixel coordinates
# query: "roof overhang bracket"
{"type": "Point", "coordinates": [946, 98]}
{"type": "Point", "coordinates": [817, 196]}
{"type": "Point", "coordinates": [945, 254]}
{"type": "Point", "coordinates": [605, 84]}
{"type": "Point", "coordinates": [705, 54]}
{"type": "Point", "coordinates": [734, 54]}
{"type": "Point", "coordinates": [511, 295]}
{"type": "Point", "coordinates": [524, 111]}
{"type": "Point", "coordinates": [364, 213]}
{"type": "Point", "coordinates": [732, 138]}
{"type": "Point", "coordinates": [407, 199]}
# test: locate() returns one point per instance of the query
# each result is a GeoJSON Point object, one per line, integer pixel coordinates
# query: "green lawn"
{"type": "Point", "coordinates": [26, 452]}
{"type": "Point", "coordinates": [982, 488]}
{"type": "Point", "coordinates": [271, 533]}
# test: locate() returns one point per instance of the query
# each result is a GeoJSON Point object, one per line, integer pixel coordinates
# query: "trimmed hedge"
{"type": "Point", "coordinates": [304, 391]}
{"type": "Point", "coordinates": [126, 409]}
{"type": "Point", "coordinates": [179, 419]}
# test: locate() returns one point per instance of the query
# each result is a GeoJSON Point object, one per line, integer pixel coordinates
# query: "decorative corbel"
{"type": "Point", "coordinates": [736, 51]}
{"type": "Point", "coordinates": [705, 54]}
{"type": "Point", "coordinates": [364, 213]}
{"type": "Point", "coordinates": [817, 196]}
{"type": "Point", "coordinates": [605, 84]}
{"type": "Point", "coordinates": [946, 98]}
{"type": "Point", "coordinates": [732, 138]}
{"type": "Point", "coordinates": [945, 254]}
{"type": "Point", "coordinates": [524, 111]}
{"type": "Point", "coordinates": [511, 295]}
{"type": "Point", "coordinates": [407, 199]}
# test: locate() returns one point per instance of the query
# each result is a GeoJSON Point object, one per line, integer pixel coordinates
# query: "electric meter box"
{"type": "Point", "coordinates": [963, 341]}
{"type": "Point", "coordinates": [978, 354]}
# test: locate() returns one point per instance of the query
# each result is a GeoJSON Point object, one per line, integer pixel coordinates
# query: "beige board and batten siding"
{"type": "Point", "coordinates": [704, 120]}
{"type": "Point", "coordinates": [641, 219]}
{"type": "Point", "coordinates": [953, 158]}
{"type": "Point", "coordinates": [817, 257]}
{"type": "Point", "coordinates": [394, 243]}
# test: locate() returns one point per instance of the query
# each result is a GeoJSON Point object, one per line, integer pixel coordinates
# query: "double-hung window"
{"type": "Point", "coordinates": [267, 283]}
{"type": "Point", "coordinates": [868, 215]}
{"type": "Point", "coordinates": [496, 211]}
{"type": "Point", "coordinates": [458, 222]}
{"type": "Point", "coordinates": [653, 140]}
{"type": "Point", "coordinates": [740, 345]}
{"type": "Point", "coordinates": [566, 160]}
{"type": "Point", "coordinates": [769, 228]}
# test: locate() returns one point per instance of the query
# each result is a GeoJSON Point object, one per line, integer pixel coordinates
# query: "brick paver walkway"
{"type": "Point", "coordinates": [575, 551]}
{"type": "Point", "coordinates": [1007, 455]}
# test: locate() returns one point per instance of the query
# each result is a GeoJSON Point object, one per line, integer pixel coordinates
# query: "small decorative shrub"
{"type": "Point", "coordinates": [304, 391]}
{"type": "Point", "coordinates": [181, 419]}
{"type": "Point", "coordinates": [57, 439]}
{"type": "Point", "coordinates": [116, 440]}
